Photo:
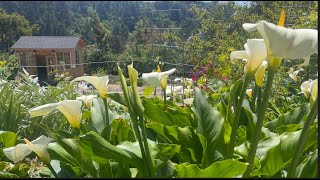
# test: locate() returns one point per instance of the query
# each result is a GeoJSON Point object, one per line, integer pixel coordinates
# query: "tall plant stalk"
{"type": "Point", "coordinates": [261, 116]}
{"type": "Point", "coordinates": [108, 131]}
{"type": "Point", "coordinates": [303, 138]}
{"type": "Point", "coordinates": [237, 114]}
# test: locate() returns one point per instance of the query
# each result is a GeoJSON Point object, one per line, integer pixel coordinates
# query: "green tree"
{"type": "Point", "coordinates": [12, 27]}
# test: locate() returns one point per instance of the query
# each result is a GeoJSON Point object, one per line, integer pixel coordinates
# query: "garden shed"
{"type": "Point", "coordinates": [40, 55]}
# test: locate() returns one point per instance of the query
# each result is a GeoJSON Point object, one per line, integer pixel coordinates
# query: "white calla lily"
{"type": "Point", "coordinates": [20, 151]}
{"type": "Point", "coordinates": [87, 99]}
{"type": "Point", "coordinates": [310, 89]}
{"type": "Point", "coordinates": [313, 89]}
{"type": "Point", "coordinates": [100, 83]}
{"type": "Point", "coordinates": [249, 92]}
{"type": "Point", "coordinates": [255, 52]}
{"type": "Point", "coordinates": [305, 88]}
{"type": "Point", "coordinates": [294, 74]}
{"type": "Point", "coordinates": [259, 75]}
{"type": "Point", "coordinates": [157, 79]}
{"type": "Point", "coordinates": [71, 109]}
{"type": "Point", "coordinates": [284, 42]}
{"type": "Point", "coordinates": [188, 101]}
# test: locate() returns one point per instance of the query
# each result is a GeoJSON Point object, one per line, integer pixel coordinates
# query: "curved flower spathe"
{"type": "Point", "coordinates": [157, 79]}
{"type": "Point", "coordinates": [284, 42]}
{"type": "Point", "coordinates": [100, 83]}
{"type": "Point", "coordinates": [259, 75]}
{"type": "Point", "coordinates": [310, 89]}
{"type": "Point", "coordinates": [87, 100]}
{"type": "Point", "coordinates": [20, 151]}
{"type": "Point", "coordinates": [249, 92]}
{"type": "Point", "coordinates": [71, 109]}
{"type": "Point", "coordinates": [255, 52]}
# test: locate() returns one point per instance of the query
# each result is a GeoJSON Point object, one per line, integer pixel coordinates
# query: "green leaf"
{"type": "Point", "coordinates": [121, 131]}
{"type": "Point", "coordinates": [169, 116]}
{"type": "Point", "coordinates": [190, 141]}
{"type": "Point", "coordinates": [20, 169]}
{"type": "Point", "coordinates": [8, 138]}
{"type": "Point", "coordinates": [148, 91]}
{"type": "Point", "coordinates": [309, 167]}
{"type": "Point", "coordinates": [160, 152]}
{"type": "Point", "coordinates": [98, 116]}
{"type": "Point", "coordinates": [211, 125]}
{"type": "Point", "coordinates": [118, 98]}
{"type": "Point", "coordinates": [97, 148]}
{"type": "Point", "coordinates": [295, 116]}
{"type": "Point", "coordinates": [221, 169]}
{"type": "Point", "coordinates": [277, 157]}
{"type": "Point", "coordinates": [5, 174]}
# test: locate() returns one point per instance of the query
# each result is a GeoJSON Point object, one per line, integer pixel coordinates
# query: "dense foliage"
{"type": "Point", "coordinates": [233, 127]}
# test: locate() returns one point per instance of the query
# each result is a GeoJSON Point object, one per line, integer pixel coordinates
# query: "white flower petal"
{"type": "Point", "coordinates": [257, 52]}
{"type": "Point", "coordinates": [285, 42]}
{"type": "Point", "coordinates": [259, 75]}
{"type": "Point", "coordinates": [87, 99]}
{"type": "Point", "coordinates": [305, 88]}
{"type": "Point", "coordinates": [42, 110]}
{"type": "Point", "coordinates": [17, 153]}
{"type": "Point", "coordinates": [72, 111]}
{"type": "Point", "coordinates": [188, 101]}
{"type": "Point", "coordinates": [238, 55]}
{"type": "Point", "coordinates": [154, 78]}
{"type": "Point", "coordinates": [100, 83]}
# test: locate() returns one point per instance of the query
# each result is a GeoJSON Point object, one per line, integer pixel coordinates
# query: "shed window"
{"type": "Point", "coordinates": [25, 59]}
{"type": "Point", "coordinates": [64, 58]}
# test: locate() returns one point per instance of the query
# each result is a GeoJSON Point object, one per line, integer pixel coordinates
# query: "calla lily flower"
{"type": "Point", "coordinates": [188, 101]}
{"type": "Point", "coordinates": [260, 73]}
{"type": "Point", "coordinates": [294, 74]}
{"type": "Point", "coordinates": [255, 52]}
{"type": "Point", "coordinates": [157, 79]}
{"type": "Point", "coordinates": [284, 42]}
{"type": "Point", "coordinates": [20, 151]}
{"type": "Point", "coordinates": [310, 89]}
{"type": "Point", "coordinates": [100, 83]}
{"type": "Point", "coordinates": [71, 109]}
{"type": "Point", "coordinates": [249, 92]}
{"type": "Point", "coordinates": [87, 100]}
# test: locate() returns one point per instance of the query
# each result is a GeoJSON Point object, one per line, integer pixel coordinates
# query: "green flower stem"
{"type": "Point", "coordinates": [133, 117]}
{"type": "Point", "coordinates": [108, 131]}
{"type": "Point", "coordinates": [237, 114]}
{"type": "Point", "coordinates": [146, 146]}
{"type": "Point", "coordinates": [52, 170]}
{"type": "Point", "coordinates": [254, 97]}
{"type": "Point", "coordinates": [164, 97]}
{"type": "Point", "coordinates": [303, 138]}
{"type": "Point", "coordinates": [261, 116]}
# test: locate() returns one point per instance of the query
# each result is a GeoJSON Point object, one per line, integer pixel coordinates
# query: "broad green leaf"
{"type": "Point", "coordinates": [295, 116]}
{"type": "Point", "coordinates": [98, 149]}
{"type": "Point", "coordinates": [20, 169]}
{"type": "Point", "coordinates": [5, 174]}
{"type": "Point", "coordinates": [309, 167]}
{"type": "Point", "coordinates": [221, 169]}
{"type": "Point", "coordinates": [117, 98]}
{"type": "Point", "coordinates": [8, 138]}
{"type": "Point", "coordinates": [160, 152]}
{"type": "Point", "coordinates": [148, 91]}
{"type": "Point", "coordinates": [98, 116]}
{"type": "Point", "coordinates": [189, 140]}
{"type": "Point", "coordinates": [120, 170]}
{"type": "Point", "coordinates": [211, 125]}
{"type": "Point", "coordinates": [169, 116]}
{"type": "Point", "coordinates": [121, 131]}
{"type": "Point", "coordinates": [166, 171]}
{"type": "Point", "coordinates": [288, 128]}
{"type": "Point", "coordinates": [277, 157]}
